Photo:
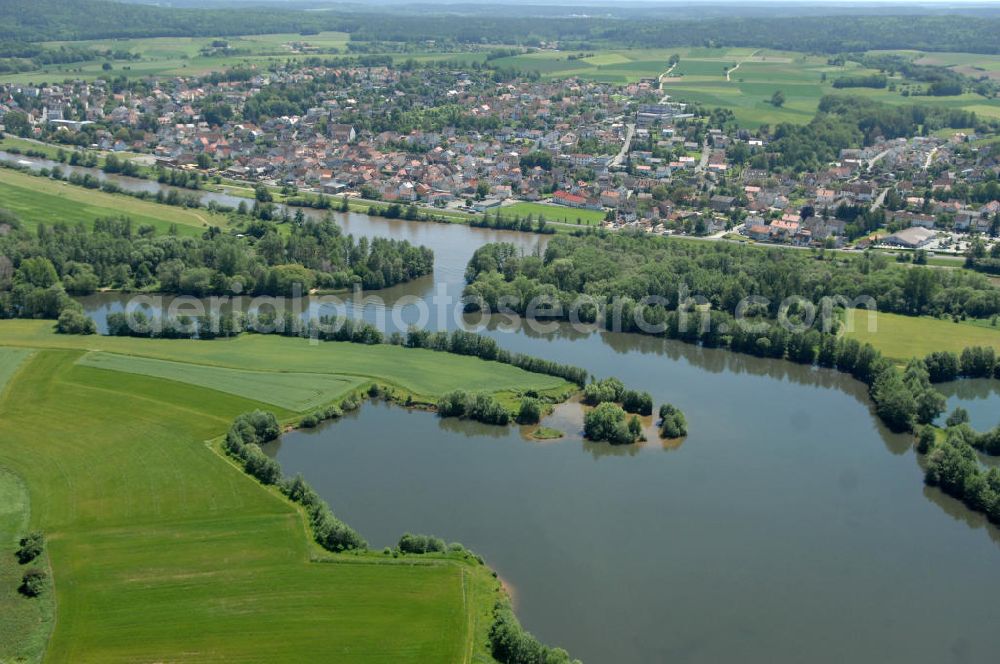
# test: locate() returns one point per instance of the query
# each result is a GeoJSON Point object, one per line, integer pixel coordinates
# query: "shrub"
{"type": "Point", "coordinates": [30, 547]}
{"type": "Point", "coordinates": [452, 404]}
{"type": "Point", "coordinates": [926, 440]}
{"type": "Point", "coordinates": [309, 421]}
{"type": "Point", "coordinates": [421, 544]}
{"type": "Point", "coordinates": [672, 422]}
{"type": "Point", "coordinates": [957, 416]}
{"type": "Point", "coordinates": [634, 401]}
{"type": "Point", "coordinates": [73, 321]}
{"type": "Point", "coordinates": [332, 533]}
{"type": "Point", "coordinates": [603, 391]}
{"type": "Point", "coordinates": [261, 466]}
{"type": "Point", "coordinates": [607, 422]}
{"type": "Point", "coordinates": [32, 583]}
{"type": "Point", "coordinates": [480, 407]}
{"type": "Point", "coordinates": [530, 411]}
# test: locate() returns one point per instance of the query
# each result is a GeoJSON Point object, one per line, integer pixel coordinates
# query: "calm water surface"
{"type": "Point", "coordinates": [979, 396]}
{"type": "Point", "coordinates": [788, 527]}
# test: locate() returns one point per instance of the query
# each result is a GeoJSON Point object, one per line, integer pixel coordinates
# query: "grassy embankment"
{"type": "Point", "coordinates": [162, 550]}
{"type": "Point", "coordinates": [903, 337]}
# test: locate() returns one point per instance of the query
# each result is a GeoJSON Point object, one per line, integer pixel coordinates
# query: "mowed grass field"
{"type": "Point", "coordinates": [25, 623]}
{"type": "Point", "coordinates": [424, 373]}
{"type": "Point", "coordinates": [901, 338]}
{"type": "Point", "coordinates": [37, 200]}
{"type": "Point", "coordinates": [164, 551]}
{"type": "Point", "coordinates": [553, 213]}
{"type": "Point", "coordinates": [290, 391]}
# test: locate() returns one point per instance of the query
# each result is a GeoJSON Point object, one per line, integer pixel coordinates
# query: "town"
{"type": "Point", "coordinates": [507, 144]}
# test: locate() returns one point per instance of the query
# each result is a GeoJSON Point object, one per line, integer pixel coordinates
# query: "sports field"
{"type": "Point", "coordinates": [38, 200]}
{"type": "Point", "coordinates": [553, 213]}
{"type": "Point", "coordinates": [162, 550]}
{"type": "Point", "coordinates": [903, 337]}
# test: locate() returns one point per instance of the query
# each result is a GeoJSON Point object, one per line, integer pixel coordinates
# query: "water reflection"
{"type": "Point", "coordinates": [979, 396]}
{"type": "Point", "coordinates": [778, 526]}
{"type": "Point", "coordinates": [765, 540]}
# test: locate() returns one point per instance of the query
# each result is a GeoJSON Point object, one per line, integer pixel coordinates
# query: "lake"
{"type": "Point", "coordinates": [789, 526]}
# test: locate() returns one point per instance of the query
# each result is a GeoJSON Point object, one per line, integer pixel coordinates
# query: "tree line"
{"type": "Point", "coordinates": [624, 268]}
{"type": "Point", "coordinates": [242, 443]}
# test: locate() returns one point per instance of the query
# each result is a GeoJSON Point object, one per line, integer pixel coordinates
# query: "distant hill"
{"type": "Point", "coordinates": [38, 20]}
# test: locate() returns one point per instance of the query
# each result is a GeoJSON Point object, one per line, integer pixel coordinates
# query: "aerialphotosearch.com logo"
{"type": "Point", "coordinates": [319, 316]}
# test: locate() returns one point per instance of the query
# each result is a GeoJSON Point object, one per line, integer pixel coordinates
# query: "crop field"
{"type": "Point", "coordinates": [903, 337]}
{"type": "Point", "coordinates": [36, 200]}
{"type": "Point", "coordinates": [700, 77]}
{"type": "Point", "coordinates": [425, 373]}
{"type": "Point", "coordinates": [156, 540]}
{"type": "Point", "coordinates": [553, 213]}
{"type": "Point", "coordinates": [290, 391]}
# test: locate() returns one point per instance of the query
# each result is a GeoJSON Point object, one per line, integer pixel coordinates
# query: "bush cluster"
{"type": "Point", "coordinates": [480, 407]}
{"type": "Point", "coordinates": [33, 583]}
{"type": "Point", "coordinates": [530, 411]}
{"type": "Point", "coordinates": [607, 422]}
{"type": "Point", "coordinates": [313, 419]}
{"type": "Point", "coordinates": [421, 544]}
{"type": "Point", "coordinates": [672, 422]}
{"type": "Point", "coordinates": [634, 401]}
{"type": "Point", "coordinates": [608, 390]}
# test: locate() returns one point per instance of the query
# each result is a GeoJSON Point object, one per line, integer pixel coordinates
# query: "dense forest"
{"type": "Point", "coordinates": [38, 20]}
{"type": "Point", "coordinates": [632, 267]}
{"type": "Point", "coordinates": [115, 254]}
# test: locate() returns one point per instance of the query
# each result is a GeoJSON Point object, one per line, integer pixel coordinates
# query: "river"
{"type": "Point", "coordinates": [789, 525]}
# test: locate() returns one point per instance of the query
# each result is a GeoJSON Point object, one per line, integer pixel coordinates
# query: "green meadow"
{"type": "Point", "coordinates": [163, 550]}
{"type": "Point", "coordinates": [37, 200]}
{"type": "Point", "coordinates": [180, 56]}
{"type": "Point", "coordinates": [903, 337]}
